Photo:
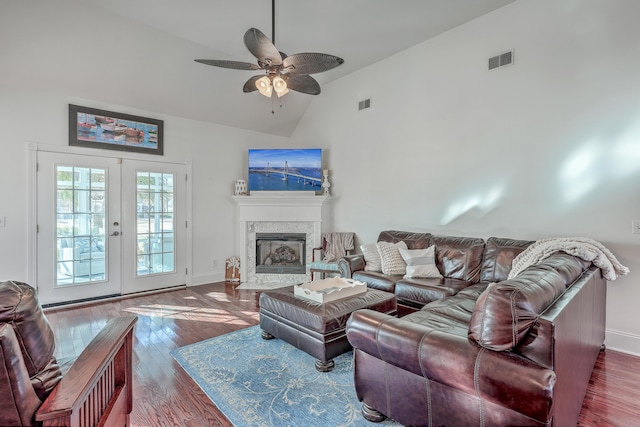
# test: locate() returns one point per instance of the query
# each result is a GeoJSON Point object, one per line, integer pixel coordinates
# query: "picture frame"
{"type": "Point", "coordinates": [95, 128]}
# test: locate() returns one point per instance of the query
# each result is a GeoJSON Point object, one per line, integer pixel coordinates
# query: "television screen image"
{"type": "Point", "coordinates": [285, 169]}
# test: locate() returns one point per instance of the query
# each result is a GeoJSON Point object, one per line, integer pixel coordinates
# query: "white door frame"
{"type": "Point", "coordinates": [32, 203]}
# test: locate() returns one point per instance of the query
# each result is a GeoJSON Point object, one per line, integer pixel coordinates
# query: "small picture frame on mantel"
{"type": "Point", "coordinates": [240, 188]}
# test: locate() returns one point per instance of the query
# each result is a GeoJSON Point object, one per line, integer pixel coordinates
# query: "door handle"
{"type": "Point", "coordinates": [115, 233]}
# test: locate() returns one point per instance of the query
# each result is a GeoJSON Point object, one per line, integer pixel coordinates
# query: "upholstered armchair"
{"type": "Point", "coordinates": [335, 245]}
{"type": "Point", "coordinates": [34, 390]}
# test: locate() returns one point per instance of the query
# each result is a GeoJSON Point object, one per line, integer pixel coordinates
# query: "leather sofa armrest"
{"type": "Point", "coordinates": [103, 368]}
{"type": "Point", "coordinates": [455, 361]}
{"type": "Point", "coordinates": [350, 264]}
{"type": "Point", "coordinates": [19, 401]}
{"type": "Point", "coordinates": [387, 338]}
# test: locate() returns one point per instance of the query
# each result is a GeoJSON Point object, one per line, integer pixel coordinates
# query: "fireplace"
{"type": "Point", "coordinates": [281, 253]}
{"type": "Point", "coordinates": [278, 214]}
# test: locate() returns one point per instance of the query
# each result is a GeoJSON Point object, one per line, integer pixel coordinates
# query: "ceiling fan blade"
{"type": "Point", "coordinates": [250, 85]}
{"type": "Point", "coordinates": [310, 63]}
{"type": "Point", "coordinates": [235, 65]}
{"type": "Point", "coordinates": [303, 83]}
{"type": "Point", "coordinates": [261, 47]}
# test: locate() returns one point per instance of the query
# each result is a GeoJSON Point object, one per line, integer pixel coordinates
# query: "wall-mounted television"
{"type": "Point", "coordinates": [285, 169]}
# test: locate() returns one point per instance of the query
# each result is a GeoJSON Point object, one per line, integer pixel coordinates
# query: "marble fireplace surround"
{"type": "Point", "coordinates": [277, 213]}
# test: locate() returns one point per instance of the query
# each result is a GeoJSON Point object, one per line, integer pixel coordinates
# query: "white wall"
{"type": "Point", "coordinates": [218, 155]}
{"type": "Point", "coordinates": [56, 53]}
{"type": "Point", "coordinates": [546, 147]}
{"type": "Point", "coordinates": [78, 48]}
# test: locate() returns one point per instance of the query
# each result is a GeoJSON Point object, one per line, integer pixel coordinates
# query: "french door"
{"type": "Point", "coordinates": [154, 230]}
{"type": "Point", "coordinates": [108, 226]}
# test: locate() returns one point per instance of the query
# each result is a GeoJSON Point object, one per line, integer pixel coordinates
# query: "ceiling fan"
{"type": "Point", "coordinates": [282, 72]}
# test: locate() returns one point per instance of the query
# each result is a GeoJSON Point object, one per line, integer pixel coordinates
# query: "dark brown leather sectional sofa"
{"type": "Point", "coordinates": [477, 349]}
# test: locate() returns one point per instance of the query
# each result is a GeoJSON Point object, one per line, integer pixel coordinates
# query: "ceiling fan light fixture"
{"type": "Point", "coordinates": [283, 72]}
{"type": "Point", "coordinates": [280, 86]}
{"type": "Point", "coordinates": [264, 86]}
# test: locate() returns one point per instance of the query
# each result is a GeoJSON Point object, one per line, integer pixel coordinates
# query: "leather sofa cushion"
{"type": "Point", "coordinates": [451, 315]}
{"type": "Point", "coordinates": [419, 292]}
{"type": "Point", "coordinates": [376, 280]}
{"type": "Point", "coordinates": [474, 291]}
{"type": "Point", "coordinates": [459, 257]}
{"type": "Point", "coordinates": [506, 310]}
{"type": "Point", "coordinates": [413, 240]}
{"type": "Point", "coordinates": [498, 256]}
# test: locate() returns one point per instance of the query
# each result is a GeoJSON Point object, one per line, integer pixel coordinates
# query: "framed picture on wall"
{"type": "Point", "coordinates": [94, 128]}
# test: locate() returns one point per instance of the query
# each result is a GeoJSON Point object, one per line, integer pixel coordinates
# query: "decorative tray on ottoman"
{"type": "Point", "coordinates": [331, 289]}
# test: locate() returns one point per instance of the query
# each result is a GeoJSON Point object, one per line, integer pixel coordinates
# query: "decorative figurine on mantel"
{"type": "Point", "coordinates": [241, 187]}
{"type": "Point", "coordinates": [232, 272]}
{"type": "Point", "coordinates": [325, 182]}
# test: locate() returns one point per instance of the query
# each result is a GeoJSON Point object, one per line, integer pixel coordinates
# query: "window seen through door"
{"type": "Point", "coordinates": [155, 223]}
{"type": "Point", "coordinates": [80, 225]}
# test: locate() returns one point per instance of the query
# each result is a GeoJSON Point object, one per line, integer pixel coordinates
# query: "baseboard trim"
{"type": "Point", "coordinates": [48, 308]}
{"type": "Point", "coordinates": [78, 302]}
{"type": "Point", "coordinates": [203, 279]}
{"type": "Point", "coordinates": [623, 342]}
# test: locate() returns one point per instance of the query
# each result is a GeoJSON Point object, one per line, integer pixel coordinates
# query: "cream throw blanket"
{"type": "Point", "coordinates": [581, 247]}
{"type": "Point", "coordinates": [337, 245]}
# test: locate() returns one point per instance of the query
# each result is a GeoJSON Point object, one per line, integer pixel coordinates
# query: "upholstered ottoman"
{"type": "Point", "coordinates": [315, 328]}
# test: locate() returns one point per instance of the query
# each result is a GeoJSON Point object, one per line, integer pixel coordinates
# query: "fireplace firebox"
{"type": "Point", "coordinates": [281, 253]}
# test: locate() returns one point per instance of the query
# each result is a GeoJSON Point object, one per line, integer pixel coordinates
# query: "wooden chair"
{"type": "Point", "coordinates": [322, 267]}
{"type": "Point", "coordinates": [96, 390]}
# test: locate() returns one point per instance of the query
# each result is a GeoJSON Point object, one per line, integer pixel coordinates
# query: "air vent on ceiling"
{"type": "Point", "coordinates": [364, 104]}
{"type": "Point", "coordinates": [501, 60]}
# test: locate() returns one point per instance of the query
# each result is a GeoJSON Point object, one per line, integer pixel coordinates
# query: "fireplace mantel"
{"type": "Point", "coordinates": [289, 212]}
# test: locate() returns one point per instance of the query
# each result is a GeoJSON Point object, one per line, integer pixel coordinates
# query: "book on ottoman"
{"type": "Point", "coordinates": [331, 289]}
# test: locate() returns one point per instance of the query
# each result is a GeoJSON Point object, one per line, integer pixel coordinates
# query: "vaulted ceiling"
{"type": "Point", "coordinates": [140, 52]}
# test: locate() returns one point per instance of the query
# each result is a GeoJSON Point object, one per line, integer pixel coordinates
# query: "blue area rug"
{"type": "Point", "coordinates": [257, 382]}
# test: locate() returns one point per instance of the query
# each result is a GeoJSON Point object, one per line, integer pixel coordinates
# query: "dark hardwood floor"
{"type": "Point", "coordinates": [164, 395]}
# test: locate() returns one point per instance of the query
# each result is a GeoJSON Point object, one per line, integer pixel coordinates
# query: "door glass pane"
{"type": "Point", "coordinates": [80, 225]}
{"type": "Point", "coordinates": [155, 223]}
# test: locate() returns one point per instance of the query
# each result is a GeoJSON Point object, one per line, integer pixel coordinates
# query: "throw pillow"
{"type": "Point", "coordinates": [371, 257]}
{"type": "Point", "coordinates": [392, 262]}
{"type": "Point", "coordinates": [421, 263]}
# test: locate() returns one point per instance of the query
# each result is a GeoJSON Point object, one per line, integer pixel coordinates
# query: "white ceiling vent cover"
{"type": "Point", "coordinates": [362, 105]}
{"type": "Point", "coordinates": [501, 60]}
